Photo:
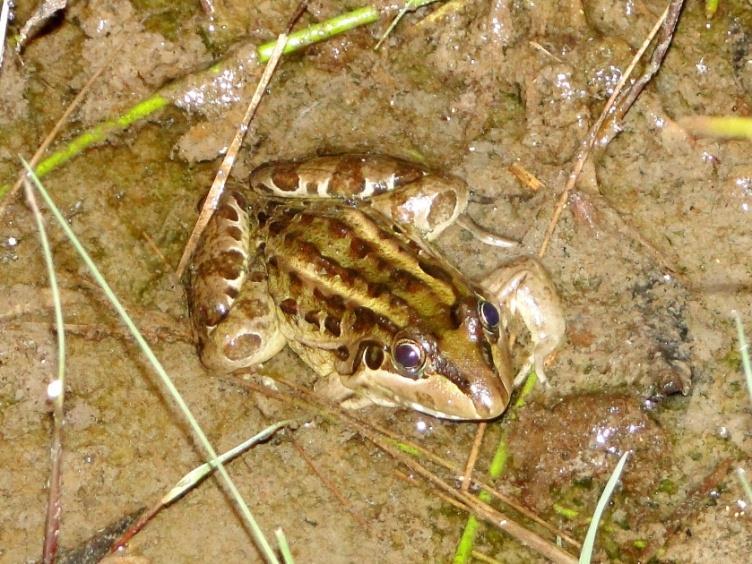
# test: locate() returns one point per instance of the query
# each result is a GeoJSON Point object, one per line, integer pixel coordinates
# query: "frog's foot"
{"type": "Point", "coordinates": [536, 362]}
{"type": "Point", "coordinates": [483, 235]}
{"type": "Point", "coordinates": [356, 402]}
{"type": "Point", "coordinates": [332, 388]}
{"type": "Point", "coordinates": [523, 288]}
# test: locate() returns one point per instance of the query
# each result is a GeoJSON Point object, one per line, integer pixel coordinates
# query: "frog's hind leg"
{"type": "Point", "coordinates": [349, 177]}
{"type": "Point", "coordinates": [422, 202]}
{"type": "Point", "coordinates": [233, 315]}
{"type": "Point", "coordinates": [525, 289]}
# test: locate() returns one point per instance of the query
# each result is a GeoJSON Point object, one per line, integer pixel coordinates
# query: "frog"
{"type": "Point", "coordinates": [333, 257]}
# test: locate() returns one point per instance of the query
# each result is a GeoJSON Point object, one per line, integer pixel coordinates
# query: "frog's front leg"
{"type": "Point", "coordinates": [234, 317]}
{"type": "Point", "coordinates": [524, 288]}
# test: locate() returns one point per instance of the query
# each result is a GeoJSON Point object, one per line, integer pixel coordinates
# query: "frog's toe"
{"type": "Point", "coordinates": [533, 362]}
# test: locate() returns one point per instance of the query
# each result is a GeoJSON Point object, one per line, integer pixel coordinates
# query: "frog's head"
{"type": "Point", "coordinates": [456, 369]}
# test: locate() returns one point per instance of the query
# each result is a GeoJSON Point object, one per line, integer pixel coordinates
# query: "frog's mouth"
{"type": "Point", "coordinates": [433, 393]}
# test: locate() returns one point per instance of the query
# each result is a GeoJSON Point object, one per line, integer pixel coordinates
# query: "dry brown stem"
{"type": "Point", "coordinates": [480, 509]}
{"type": "Point", "coordinates": [473, 457]}
{"type": "Point", "coordinates": [53, 134]}
{"type": "Point", "coordinates": [668, 26]}
{"type": "Point", "coordinates": [215, 192]}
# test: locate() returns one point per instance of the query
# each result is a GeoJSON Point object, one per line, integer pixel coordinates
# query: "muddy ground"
{"type": "Point", "coordinates": [650, 258]}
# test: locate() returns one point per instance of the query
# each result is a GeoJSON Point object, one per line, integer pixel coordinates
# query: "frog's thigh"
{"type": "Point", "coordinates": [232, 313]}
{"type": "Point", "coordinates": [524, 287]}
{"type": "Point", "coordinates": [250, 333]}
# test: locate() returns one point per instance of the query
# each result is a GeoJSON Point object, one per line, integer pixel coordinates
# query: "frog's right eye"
{"type": "Point", "coordinates": [489, 315]}
{"type": "Point", "coordinates": [409, 356]}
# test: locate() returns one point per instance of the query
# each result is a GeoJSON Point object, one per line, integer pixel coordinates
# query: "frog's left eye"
{"type": "Point", "coordinates": [409, 356]}
{"type": "Point", "coordinates": [489, 315]}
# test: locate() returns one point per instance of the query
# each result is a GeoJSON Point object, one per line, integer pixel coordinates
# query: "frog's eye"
{"type": "Point", "coordinates": [489, 315]}
{"type": "Point", "coordinates": [409, 356]}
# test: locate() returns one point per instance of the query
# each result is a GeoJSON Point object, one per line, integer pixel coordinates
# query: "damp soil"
{"type": "Point", "coordinates": [650, 258]}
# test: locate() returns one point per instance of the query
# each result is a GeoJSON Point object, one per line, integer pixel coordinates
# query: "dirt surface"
{"type": "Point", "coordinates": [650, 258]}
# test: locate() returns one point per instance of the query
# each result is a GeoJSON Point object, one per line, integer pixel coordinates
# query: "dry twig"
{"type": "Point", "coordinates": [674, 9]}
{"type": "Point", "coordinates": [53, 133]}
{"type": "Point", "coordinates": [473, 457]}
{"type": "Point", "coordinates": [215, 192]}
{"type": "Point", "coordinates": [480, 509]}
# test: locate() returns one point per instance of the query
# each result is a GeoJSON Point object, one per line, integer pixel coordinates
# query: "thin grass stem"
{"type": "Point", "coordinates": [284, 547]}
{"type": "Point", "coordinates": [742, 477]}
{"type": "Point", "coordinates": [55, 394]}
{"type": "Point", "coordinates": [197, 474]}
{"type": "Point", "coordinates": [203, 441]}
{"type": "Point", "coordinates": [4, 14]}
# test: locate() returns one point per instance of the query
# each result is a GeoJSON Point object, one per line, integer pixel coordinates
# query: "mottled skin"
{"type": "Point", "coordinates": [328, 256]}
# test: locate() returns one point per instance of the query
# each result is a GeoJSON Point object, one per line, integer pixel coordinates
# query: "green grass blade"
{"type": "Point", "coordinates": [54, 290]}
{"type": "Point", "coordinates": [284, 547]}
{"type": "Point", "coordinates": [589, 543]}
{"type": "Point", "coordinates": [175, 90]}
{"type": "Point", "coordinates": [203, 441]}
{"type": "Point", "coordinates": [100, 133]}
{"type": "Point", "coordinates": [194, 476]}
{"type": "Point", "coordinates": [711, 7]}
{"type": "Point", "coordinates": [742, 477]}
{"type": "Point", "coordinates": [724, 127]}
{"type": "Point", "coordinates": [321, 31]}
{"type": "Point", "coordinates": [744, 351]}
{"type": "Point", "coordinates": [464, 550]}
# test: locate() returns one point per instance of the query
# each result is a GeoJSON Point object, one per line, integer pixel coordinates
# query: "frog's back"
{"type": "Point", "coordinates": [340, 273]}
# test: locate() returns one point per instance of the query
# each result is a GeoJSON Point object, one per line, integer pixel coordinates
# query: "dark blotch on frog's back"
{"type": "Point", "coordinates": [405, 281]}
{"type": "Point", "coordinates": [289, 306]}
{"type": "Point", "coordinates": [235, 232]}
{"type": "Point", "coordinates": [227, 212]}
{"type": "Point", "coordinates": [312, 317]}
{"type": "Point", "coordinates": [359, 248]}
{"type": "Point", "coordinates": [436, 271]}
{"type": "Point", "coordinates": [333, 325]}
